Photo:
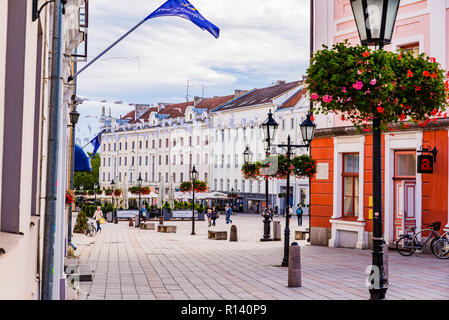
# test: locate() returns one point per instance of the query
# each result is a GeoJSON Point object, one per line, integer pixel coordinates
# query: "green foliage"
{"type": "Point", "coordinates": [89, 209]}
{"type": "Point", "coordinates": [88, 179]}
{"type": "Point", "coordinates": [81, 223]}
{"type": "Point", "coordinates": [250, 171]}
{"type": "Point", "coordinates": [363, 85]}
{"type": "Point", "coordinates": [304, 166]}
{"type": "Point", "coordinates": [199, 186]}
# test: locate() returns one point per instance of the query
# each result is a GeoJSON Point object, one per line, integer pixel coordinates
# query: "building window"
{"type": "Point", "coordinates": [292, 123]}
{"type": "Point", "coordinates": [198, 140]}
{"type": "Point", "coordinates": [146, 160]}
{"type": "Point", "coordinates": [146, 144]}
{"type": "Point", "coordinates": [221, 184]}
{"type": "Point", "coordinates": [205, 177]}
{"type": "Point", "coordinates": [140, 144]}
{"type": "Point", "coordinates": [244, 133]}
{"type": "Point", "coordinates": [119, 161]}
{"type": "Point", "coordinates": [131, 177]}
{"type": "Point", "coordinates": [206, 158]}
{"type": "Point", "coordinates": [174, 142]}
{"type": "Point", "coordinates": [160, 143]}
{"type": "Point", "coordinates": [174, 177]}
{"type": "Point", "coordinates": [222, 135]}
{"type": "Point", "coordinates": [104, 176]}
{"type": "Point", "coordinates": [252, 133]}
{"type": "Point", "coordinates": [109, 162]}
{"type": "Point", "coordinates": [166, 160]}
{"type": "Point", "coordinates": [132, 161]}
{"type": "Point", "coordinates": [182, 142]}
{"type": "Point", "coordinates": [120, 146]}
{"type": "Point", "coordinates": [198, 159]}
{"type": "Point", "coordinates": [115, 145]}
{"type": "Point", "coordinates": [236, 185]}
{"type": "Point", "coordinates": [412, 47]}
{"type": "Point", "coordinates": [152, 143]}
{"type": "Point", "coordinates": [160, 160]}
{"type": "Point", "coordinates": [140, 160]}
{"type": "Point", "coordinates": [182, 177]}
{"type": "Point", "coordinates": [126, 161]}
{"type": "Point", "coordinates": [405, 164]}
{"type": "Point", "coordinates": [250, 186]}
{"type": "Point", "coordinates": [190, 141]}
{"type": "Point", "coordinates": [258, 186]}
{"type": "Point", "coordinates": [283, 124]}
{"type": "Point", "coordinates": [228, 185]}
{"type": "Point", "coordinates": [215, 184]}
{"type": "Point", "coordinates": [120, 176]}
{"type": "Point", "coordinates": [243, 185]}
{"type": "Point", "coordinates": [160, 177]}
{"type": "Point", "coordinates": [126, 145]}
{"type": "Point", "coordinates": [182, 159]}
{"type": "Point", "coordinates": [109, 147]}
{"type": "Point", "coordinates": [166, 177]}
{"type": "Point", "coordinates": [206, 140]}
{"type": "Point", "coordinates": [236, 160]}
{"type": "Point", "coordinates": [350, 185]}
{"type": "Point", "coordinates": [146, 176]}
{"type": "Point", "coordinates": [133, 145]}
{"type": "Point", "coordinates": [166, 143]}
{"type": "Point", "coordinates": [174, 159]}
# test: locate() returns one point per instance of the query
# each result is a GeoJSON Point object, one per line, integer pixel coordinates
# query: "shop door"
{"type": "Point", "coordinates": [404, 217]}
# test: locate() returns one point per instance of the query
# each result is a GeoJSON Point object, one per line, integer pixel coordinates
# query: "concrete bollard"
{"type": "Point", "coordinates": [294, 266]}
{"type": "Point", "coordinates": [276, 230]}
{"type": "Point", "coordinates": [233, 235]}
{"type": "Point", "coordinates": [385, 254]}
{"type": "Point", "coordinates": [131, 222]}
{"type": "Point", "coordinates": [161, 220]}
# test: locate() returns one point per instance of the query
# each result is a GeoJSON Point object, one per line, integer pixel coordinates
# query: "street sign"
{"type": "Point", "coordinates": [425, 164]}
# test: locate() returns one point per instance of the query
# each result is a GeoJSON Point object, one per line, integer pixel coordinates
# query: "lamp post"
{"type": "Point", "coordinates": [74, 117]}
{"type": "Point", "coordinates": [193, 178]}
{"type": "Point", "coordinates": [113, 202]}
{"type": "Point", "coordinates": [139, 181]}
{"type": "Point", "coordinates": [95, 191]}
{"type": "Point", "coordinates": [375, 22]}
{"type": "Point", "coordinates": [307, 133]}
{"type": "Point", "coordinates": [270, 127]}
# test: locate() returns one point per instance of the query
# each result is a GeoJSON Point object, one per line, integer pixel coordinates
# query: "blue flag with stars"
{"type": "Point", "coordinates": [184, 9]}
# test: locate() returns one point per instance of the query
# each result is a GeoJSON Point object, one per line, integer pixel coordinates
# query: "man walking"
{"type": "Point", "coordinates": [228, 214]}
{"type": "Point", "coordinates": [299, 214]}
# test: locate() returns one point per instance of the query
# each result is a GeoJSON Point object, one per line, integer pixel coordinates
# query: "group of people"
{"type": "Point", "coordinates": [212, 215]}
{"type": "Point", "coordinates": [299, 213]}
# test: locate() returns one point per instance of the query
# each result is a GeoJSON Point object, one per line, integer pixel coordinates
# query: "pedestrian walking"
{"type": "Point", "coordinates": [209, 216]}
{"type": "Point", "coordinates": [144, 213]}
{"type": "Point", "coordinates": [214, 215]}
{"type": "Point", "coordinates": [97, 216]}
{"type": "Point", "coordinates": [228, 211]}
{"type": "Point", "coordinates": [276, 210]}
{"type": "Point", "coordinates": [299, 214]}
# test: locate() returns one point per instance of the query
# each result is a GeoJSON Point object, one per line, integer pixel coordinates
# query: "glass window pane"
{"type": "Point", "coordinates": [349, 163]}
{"type": "Point", "coordinates": [356, 163]}
{"type": "Point", "coordinates": [356, 206]}
{"type": "Point", "coordinates": [406, 165]}
{"type": "Point", "coordinates": [348, 210]}
{"type": "Point", "coordinates": [348, 186]}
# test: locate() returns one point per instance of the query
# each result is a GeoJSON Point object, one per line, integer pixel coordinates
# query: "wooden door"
{"type": "Point", "coordinates": [404, 207]}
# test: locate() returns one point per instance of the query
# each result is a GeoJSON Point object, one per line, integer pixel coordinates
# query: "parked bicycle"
{"type": "Point", "coordinates": [91, 229]}
{"type": "Point", "coordinates": [441, 247]}
{"type": "Point", "coordinates": [408, 244]}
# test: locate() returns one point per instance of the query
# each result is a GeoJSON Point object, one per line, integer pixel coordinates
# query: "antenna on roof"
{"type": "Point", "coordinates": [188, 87]}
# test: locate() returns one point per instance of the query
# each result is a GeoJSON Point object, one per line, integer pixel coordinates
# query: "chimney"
{"type": "Point", "coordinates": [197, 101]}
{"type": "Point", "coordinates": [239, 93]}
{"type": "Point", "coordinates": [279, 82]}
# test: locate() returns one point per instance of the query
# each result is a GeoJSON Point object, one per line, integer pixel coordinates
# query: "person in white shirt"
{"type": "Point", "coordinates": [97, 216]}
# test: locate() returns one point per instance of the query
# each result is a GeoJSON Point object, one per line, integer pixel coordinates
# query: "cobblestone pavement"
{"type": "Point", "coordinates": [130, 263]}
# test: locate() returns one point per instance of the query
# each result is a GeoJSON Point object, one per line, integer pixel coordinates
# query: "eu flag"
{"type": "Point", "coordinates": [186, 10]}
{"type": "Point", "coordinates": [96, 142]}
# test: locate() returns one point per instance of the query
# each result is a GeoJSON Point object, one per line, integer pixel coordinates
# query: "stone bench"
{"type": "Point", "coordinates": [301, 234]}
{"type": "Point", "coordinates": [217, 235]}
{"type": "Point", "coordinates": [166, 229]}
{"type": "Point", "coordinates": [147, 225]}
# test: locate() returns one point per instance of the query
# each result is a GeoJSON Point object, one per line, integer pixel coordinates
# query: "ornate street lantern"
{"type": "Point", "coordinates": [307, 130]}
{"type": "Point", "coordinates": [269, 127]}
{"type": "Point", "coordinates": [375, 20]}
{"type": "Point", "coordinates": [247, 155]}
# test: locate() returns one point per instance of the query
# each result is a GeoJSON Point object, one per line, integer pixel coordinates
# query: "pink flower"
{"type": "Point", "coordinates": [327, 98]}
{"type": "Point", "coordinates": [358, 85]}
{"type": "Point", "coordinates": [373, 82]}
{"type": "Point", "coordinates": [359, 72]}
{"type": "Point", "coordinates": [314, 96]}
{"type": "Point", "coordinates": [344, 90]}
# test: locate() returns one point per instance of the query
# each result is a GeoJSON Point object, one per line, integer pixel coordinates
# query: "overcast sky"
{"type": "Point", "coordinates": [260, 41]}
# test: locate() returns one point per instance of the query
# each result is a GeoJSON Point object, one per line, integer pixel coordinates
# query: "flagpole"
{"type": "Point", "coordinates": [71, 78]}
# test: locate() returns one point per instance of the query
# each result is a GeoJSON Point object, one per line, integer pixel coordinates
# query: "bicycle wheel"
{"type": "Point", "coordinates": [90, 230]}
{"type": "Point", "coordinates": [432, 243]}
{"type": "Point", "coordinates": [441, 248]}
{"type": "Point", "coordinates": [404, 245]}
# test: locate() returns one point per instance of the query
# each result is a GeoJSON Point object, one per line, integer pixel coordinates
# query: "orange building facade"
{"type": "Point", "coordinates": [341, 191]}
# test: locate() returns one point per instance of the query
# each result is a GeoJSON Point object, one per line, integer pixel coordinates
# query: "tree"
{"type": "Point", "coordinates": [88, 179]}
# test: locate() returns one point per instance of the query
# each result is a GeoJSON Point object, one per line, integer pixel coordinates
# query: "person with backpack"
{"type": "Point", "coordinates": [299, 214]}
{"type": "Point", "coordinates": [209, 216]}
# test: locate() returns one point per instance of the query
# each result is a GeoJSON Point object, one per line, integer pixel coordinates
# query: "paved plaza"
{"type": "Point", "coordinates": [131, 263]}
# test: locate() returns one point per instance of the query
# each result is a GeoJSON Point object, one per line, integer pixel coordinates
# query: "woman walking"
{"type": "Point", "coordinates": [214, 215]}
{"type": "Point", "coordinates": [97, 216]}
{"type": "Point", "coordinates": [299, 214]}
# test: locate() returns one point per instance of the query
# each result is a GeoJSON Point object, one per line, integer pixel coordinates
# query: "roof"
{"type": "Point", "coordinates": [259, 96]}
{"type": "Point", "coordinates": [146, 115]}
{"type": "Point", "coordinates": [294, 99]}
{"type": "Point", "coordinates": [176, 110]}
{"type": "Point", "coordinates": [129, 116]}
{"type": "Point", "coordinates": [211, 103]}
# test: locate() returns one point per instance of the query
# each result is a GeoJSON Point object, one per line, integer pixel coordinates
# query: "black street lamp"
{"type": "Point", "coordinates": [193, 178]}
{"type": "Point", "coordinates": [95, 191]}
{"type": "Point", "coordinates": [74, 117]}
{"type": "Point", "coordinates": [269, 127]}
{"type": "Point", "coordinates": [307, 132]}
{"type": "Point", "coordinates": [375, 20]}
{"type": "Point", "coordinates": [139, 182]}
{"type": "Point", "coordinates": [113, 202]}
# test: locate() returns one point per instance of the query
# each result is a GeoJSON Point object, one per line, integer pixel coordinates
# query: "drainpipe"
{"type": "Point", "coordinates": [52, 161]}
{"type": "Point", "coordinates": [312, 36]}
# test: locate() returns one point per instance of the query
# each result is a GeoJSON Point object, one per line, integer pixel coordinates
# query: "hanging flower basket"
{"type": "Point", "coordinates": [250, 171]}
{"type": "Point", "coordinates": [117, 192]}
{"type": "Point", "coordinates": [199, 186]}
{"type": "Point", "coordinates": [362, 85]}
{"type": "Point", "coordinates": [108, 192]}
{"type": "Point", "coordinates": [69, 198]}
{"type": "Point", "coordinates": [304, 166]}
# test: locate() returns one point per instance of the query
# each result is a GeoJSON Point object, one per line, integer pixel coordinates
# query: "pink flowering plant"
{"type": "Point", "coordinates": [362, 84]}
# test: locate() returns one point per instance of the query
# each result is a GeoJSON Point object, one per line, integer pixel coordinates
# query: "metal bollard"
{"type": "Point", "coordinates": [294, 265]}
{"type": "Point", "coordinates": [385, 254]}
{"type": "Point", "coordinates": [233, 235]}
{"type": "Point", "coordinates": [276, 230]}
